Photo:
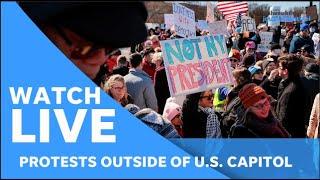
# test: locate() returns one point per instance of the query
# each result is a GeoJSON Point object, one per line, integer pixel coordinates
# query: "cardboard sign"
{"type": "Point", "coordinates": [218, 27]}
{"type": "Point", "coordinates": [266, 38]}
{"type": "Point", "coordinates": [210, 12]}
{"type": "Point", "coordinates": [196, 64]}
{"type": "Point", "coordinates": [202, 24]}
{"type": "Point", "coordinates": [169, 20]}
{"type": "Point", "coordinates": [312, 12]}
{"type": "Point", "coordinates": [248, 24]}
{"type": "Point", "coordinates": [184, 21]}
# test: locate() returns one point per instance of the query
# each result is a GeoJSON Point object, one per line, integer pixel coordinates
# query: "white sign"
{"type": "Point", "coordinates": [202, 24]}
{"type": "Point", "coordinates": [152, 25]}
{"type": "Point", "coordinates": [196, 64]}
{"type": "Point", "coordinates": [169, 20]}
{"type": "Point", "coordinates": [210, 12]}
{"type": "Point", "coordinates": [218, 27]}
{"type": "Point", "coordinates": [248, 24]}
{"type": "Point", "coordinates": [266, 38]}
{"type": "Point", "coordinates": [184, 21]}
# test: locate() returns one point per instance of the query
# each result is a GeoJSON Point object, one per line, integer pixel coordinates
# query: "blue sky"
{"type": "Point", "coordinates": [285, 5]}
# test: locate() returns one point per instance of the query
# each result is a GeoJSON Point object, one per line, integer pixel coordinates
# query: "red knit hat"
{"type": "Point", "coordinates": [250, 94]}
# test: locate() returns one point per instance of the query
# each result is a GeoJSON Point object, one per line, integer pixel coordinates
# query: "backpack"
{"type": "Point", "coordinates": [233, 113]}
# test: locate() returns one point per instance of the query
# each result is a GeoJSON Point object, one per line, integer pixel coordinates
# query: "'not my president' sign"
{"type": "Point", "coordinates": [196, 64]}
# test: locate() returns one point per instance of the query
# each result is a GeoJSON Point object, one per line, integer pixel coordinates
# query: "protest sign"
{"type": "Point", "coordinates": [218, 27]}
{"type": "Point", "coordinates": [312, 12]}
{"type": "Point", "coordinates": [168, 20]}
{"type": "Point", "coordinates": [210, 12]}
{"type": "Point", "coordinates": [273, 21]}
{"type": "Point", "coordinates": [266, 38]}
{"type": "Point", "coordinates": [196, 64]}
{"type": "Point", "coordinates": [184, 21]}
{"type": "Point", "coordinates": [202, 24]}
{"type": "Point", "coordinates": [248, 24]}
{"type": "Point", "coordinates": [152, 25]}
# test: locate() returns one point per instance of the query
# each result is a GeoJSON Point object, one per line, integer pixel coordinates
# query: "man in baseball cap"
{"type": "Point", "coordinates": [87, 32]}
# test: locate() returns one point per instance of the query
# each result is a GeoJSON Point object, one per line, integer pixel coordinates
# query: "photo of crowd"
{"type": "Point", "coordinates": [273, 94]}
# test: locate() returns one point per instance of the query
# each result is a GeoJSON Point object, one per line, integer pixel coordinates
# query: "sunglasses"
{"type": "Point", "coordinates": [118, 88]}
{"type": "Point", "coordinates": [85, 49]}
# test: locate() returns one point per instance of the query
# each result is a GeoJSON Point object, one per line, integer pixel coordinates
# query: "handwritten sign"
{"type": "Point", "coordinates": [169, 20]}
{"type": "Point", "coordinates": [266, 38]}
{"type": "Point", "coordinates": [248, 24]}
{"type": "Point", "coordinates": [196, 64]}
{"type": "Point", "coordinates": [210, 12]}
{"type": "Point", "coordinates": [218, 27]}
{"type": "Point", "coordinates": [312, 12]}
{"type": "Point", "coordinates": [184, 21]}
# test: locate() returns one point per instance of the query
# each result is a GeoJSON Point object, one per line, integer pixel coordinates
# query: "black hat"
{"type": "Point", "coordinates": [115, 24]}
{"type": "Point", "coordinates": [312, 68]}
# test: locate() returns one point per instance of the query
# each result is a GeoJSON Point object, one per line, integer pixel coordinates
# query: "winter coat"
{"type": "Point", "coordinates": [291, 106]}
{"type": "Point", "coordinates": [312, 87]}
{"type": "Point", "coordinates": [140, 87]}
{"type": "Point", "coordinates": [199, 122]}
{"type": "Point", "coordinates": [271, 87]}
{"type": "Point", "coordinates": [157, 123]}
{"type": "Point", "coordinates": [250, 126]}
{"type": "Point", "coordinates": [123, 70]}
{"type": "Point", "coordinates": [297, 42]}
{"type": "Point", "coordinates": [161, 88]}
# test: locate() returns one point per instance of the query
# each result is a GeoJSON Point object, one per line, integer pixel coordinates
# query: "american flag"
{"type": "Point", "coordinates": [231, 9]}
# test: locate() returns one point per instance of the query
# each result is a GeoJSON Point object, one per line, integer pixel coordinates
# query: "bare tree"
{"type": "Point", "coordinates": [258, 12]}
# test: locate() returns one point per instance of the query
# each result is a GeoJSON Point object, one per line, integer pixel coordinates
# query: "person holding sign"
{"type": "Point", "coordinates": [199, 119]}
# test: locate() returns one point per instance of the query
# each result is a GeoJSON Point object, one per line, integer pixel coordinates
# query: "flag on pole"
{"type": "Point", "coordinates": [238, 21]}
{"type": "Point", "coordinates": [231, 9]}
{"type": "Point", "coordinates": [210, 13]}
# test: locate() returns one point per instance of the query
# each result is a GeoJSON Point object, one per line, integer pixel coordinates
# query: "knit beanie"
{"type": "Point", "coordinates": [250, 94]}
{"type": "Point", "coordinates": [171, 110]}
{"type": "Point", "coordinates": [132, 108]}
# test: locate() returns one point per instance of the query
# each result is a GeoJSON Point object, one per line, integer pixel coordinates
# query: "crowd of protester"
{"type": "Point", "coordinates": [275, 94]}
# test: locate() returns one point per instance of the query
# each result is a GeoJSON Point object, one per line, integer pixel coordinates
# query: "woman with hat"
{"type": "Point", "coordinates": [258, 119]}
{"type": "Point", "coordinates": [256, 74]}
{"type": "Point", "coordinates": [173, 111]}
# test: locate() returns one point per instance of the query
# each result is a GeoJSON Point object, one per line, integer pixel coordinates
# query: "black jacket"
{"type": "Point", "coordinates": [312, 87]}
{"type": "Point", "coordinates": [120, 70]}
{"type": "Point", "coordinates": [194, 121]}
{"type": "Point", "coordinates": [161, 88]}
{"type": "Point", "coordinates": [291, 106]}
{"type": "Point", "coordinates": [271, 87]}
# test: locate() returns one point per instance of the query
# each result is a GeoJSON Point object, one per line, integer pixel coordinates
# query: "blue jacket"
{"type": "Point", "coordinates": [297, 42]}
